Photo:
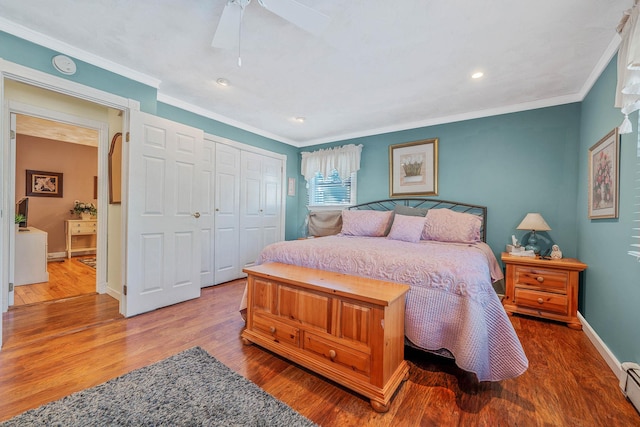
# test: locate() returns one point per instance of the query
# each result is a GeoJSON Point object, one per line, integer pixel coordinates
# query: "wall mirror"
{"type": "Point", "coordinates": [115, 169]}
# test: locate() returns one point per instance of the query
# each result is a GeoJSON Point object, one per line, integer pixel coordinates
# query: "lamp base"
{"type": "Point", "coordinates": [532, 243]}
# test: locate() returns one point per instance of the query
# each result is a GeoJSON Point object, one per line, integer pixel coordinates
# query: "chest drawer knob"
{"type": "Point", "coordinates": [540, 301]}
{"type": "Point", "coordinates": [272, 329]}
{"type": "Point", "coordinates": [540, 279]}
{"type": "Point", "coordinates": [332, 354]}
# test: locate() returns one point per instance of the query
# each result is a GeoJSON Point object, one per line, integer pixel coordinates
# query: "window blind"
{"type": "Point", "coordinates": [330, 191]}
{"type": "Point", "coordinates": [635, 234]}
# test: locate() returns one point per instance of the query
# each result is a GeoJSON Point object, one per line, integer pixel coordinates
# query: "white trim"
{"type": "Point", "coordinates": [10, 70]}
{"type": "Point", "coordinates": [15, 107]}
{"type": "Point", "coordinates": [13, 71]}
{"type": "Point", "coordinates": [48, 42]}
{"type": "Point", "coordinates": [53, 44]}
{"type": "Point", "coordinates": [166, 99]}
{"type": "Point", "coordinates": [600, 66]}
{"type": "Point", "coordinates": [245, 147]}
{"type": "Point", "coordinates": [607, 355]}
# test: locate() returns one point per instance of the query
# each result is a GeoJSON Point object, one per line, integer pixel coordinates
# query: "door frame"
{"type": "Point", "coordinates": [20, 108]}
{"type": "Point", "coordinates": [19, 73]}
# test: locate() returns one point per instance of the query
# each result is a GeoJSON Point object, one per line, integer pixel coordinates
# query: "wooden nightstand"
{"type": "Point", "coordinates": [543, 288]}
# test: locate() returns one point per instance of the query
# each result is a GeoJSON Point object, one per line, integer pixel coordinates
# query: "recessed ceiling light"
{"type": "Point", "coordinates": [222, 82]}
{"type": "Point", "coordinates": [477, 75]}
{"type": "Point", "coordinates": [299, 119]}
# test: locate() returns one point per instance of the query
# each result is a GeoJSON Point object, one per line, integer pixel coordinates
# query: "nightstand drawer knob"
{"type": "Point", "coordinates": [540, 279]}
{"type": "Point", "coordinates": [540, 301]}
{"type": "Point", "coordinates": [272, 329]}
{"type": "Point", "coordinates": [332, 354]}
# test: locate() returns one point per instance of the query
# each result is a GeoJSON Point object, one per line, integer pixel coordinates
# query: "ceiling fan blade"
{"type": "Point", "coordinates": [227, 33]}
{"type": "Point", "coordinates": [298, 14]}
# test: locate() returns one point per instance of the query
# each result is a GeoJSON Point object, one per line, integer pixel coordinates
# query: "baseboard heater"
{"type": "Point", "coordinates": [631, 386]}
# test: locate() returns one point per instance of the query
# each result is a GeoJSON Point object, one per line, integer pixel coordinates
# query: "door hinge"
{"type": "Point", "coordinates": [13, 134]}
{"type": "Point", "coordinates": [124, 290]}
{"type": "Point", "coordinates": [10, 287]}
{"type": "Point", "coordinates": [128, 137]}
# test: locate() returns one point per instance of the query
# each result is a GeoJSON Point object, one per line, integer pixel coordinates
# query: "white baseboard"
{"type": "Point", "coordinates": [113, 293]}
{"type": "Point", "coordinates": [609, 358]}
{"type": "Point", "coordinates": [56, 255]}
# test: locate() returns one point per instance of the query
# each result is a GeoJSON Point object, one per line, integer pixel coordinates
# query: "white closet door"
{"type": "Point", "coordinates": [207, 264]}
{"type": "Point", "coordinates": [271, 200]}
{"type": "Point", "coordinates": [260, 204]}
{"type": "Point", "coordinates": [227, 213]}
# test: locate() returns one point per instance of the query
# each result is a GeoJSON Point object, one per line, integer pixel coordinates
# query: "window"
{"type": "Point", "coordinates": [635, 230]}
{"type": "Point", "coordinates": [331, 191]}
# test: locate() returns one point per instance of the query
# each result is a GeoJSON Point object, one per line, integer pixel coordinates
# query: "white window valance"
{"type": "Point", "coordinates": [345, 160]}
{"type": "Point", "coordinates": [628, 87]}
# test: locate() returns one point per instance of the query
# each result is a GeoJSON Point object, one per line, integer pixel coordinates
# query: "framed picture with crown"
{"type": "Point", "coordinates": [413, 168]}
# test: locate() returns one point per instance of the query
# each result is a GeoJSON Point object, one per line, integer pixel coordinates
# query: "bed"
{"type": "Point", "coordinates": [438, 248]}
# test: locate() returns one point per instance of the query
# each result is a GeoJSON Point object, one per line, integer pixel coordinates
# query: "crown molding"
{"type": "Point", "coordinates": [79, 54]}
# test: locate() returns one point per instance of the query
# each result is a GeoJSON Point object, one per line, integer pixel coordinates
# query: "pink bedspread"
{"type": "Point", "coordinates": [451, 305]}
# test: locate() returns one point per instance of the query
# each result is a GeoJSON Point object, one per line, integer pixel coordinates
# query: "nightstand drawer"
{"type": "Point", "coordinates": [543, 301]}
{"type": "Point", "coordinates": [547, 279]}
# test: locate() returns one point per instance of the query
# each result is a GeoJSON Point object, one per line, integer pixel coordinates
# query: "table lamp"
{"type": "Point", "coordinates": [533, 222]}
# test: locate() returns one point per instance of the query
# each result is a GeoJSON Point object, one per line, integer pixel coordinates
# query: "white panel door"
{"type": "Point", "coordinates": [227, 213]}
{"type": "Point", "coordinates": [207, 268]}
{"type": "Point", "coordinates": [260, 204]}
{"type": "Point", "coordinates": [271, 200]}
{"type": "Point", "coordinates": [163, 202]}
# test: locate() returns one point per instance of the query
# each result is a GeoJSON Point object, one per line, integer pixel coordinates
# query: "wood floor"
{"type": "Point", "coordinates": [67, 278]}
{"type": "Point", "coordinates": [567, 383]}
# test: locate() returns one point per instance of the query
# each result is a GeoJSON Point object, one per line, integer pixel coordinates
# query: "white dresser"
{"type": "Point", "coordinates": [31, 257]}
{"type": "Point", "coordinates": [75, 228]}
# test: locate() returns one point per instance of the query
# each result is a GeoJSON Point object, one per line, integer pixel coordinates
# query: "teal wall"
{"type": "Point", "coordinates": [39, 58]}
{"type": "Point", "coordinates": [532, 161]}
{"type": "Point", "coordinates": [513, 164]}
{"type": "Point", "coordinates": [611, 285]}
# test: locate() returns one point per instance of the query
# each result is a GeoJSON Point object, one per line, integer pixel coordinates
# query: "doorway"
{"type": "Point", "coordinates": [69, 154]}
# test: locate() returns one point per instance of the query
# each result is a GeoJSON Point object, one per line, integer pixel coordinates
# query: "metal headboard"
{"type": "Point", "coordinates": [390, 204]}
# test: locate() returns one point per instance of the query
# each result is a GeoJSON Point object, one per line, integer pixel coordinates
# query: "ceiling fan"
{"type": "Point", "coordinates": [229, 29]}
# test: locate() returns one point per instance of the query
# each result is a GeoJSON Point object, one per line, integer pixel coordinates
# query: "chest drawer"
{"type": "Point", "coordinates": [83, 227]}
{"type": "Point", "coordinates": [277, 331]}
{"type": "Point", "coordinates": [346, 357]}
{"type": "Point", "coordinates": [543, 301]}
{"type": "Point", "coordinates": [541, 278]}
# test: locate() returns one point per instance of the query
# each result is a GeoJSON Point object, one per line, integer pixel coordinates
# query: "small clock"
{"type": "Point", "coordinates": [64, 64]}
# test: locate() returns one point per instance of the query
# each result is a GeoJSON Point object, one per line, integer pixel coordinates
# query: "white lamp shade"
{"type": "Point", "coordinates": [534, 221]}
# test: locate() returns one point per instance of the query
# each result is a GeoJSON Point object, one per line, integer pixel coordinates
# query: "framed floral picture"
{"type": "Point", "coordinates": [43, 184]}
{"type": "Point", "coordinates": [603, 177]}
{"type": "Point", "coordinates": [413, 168]}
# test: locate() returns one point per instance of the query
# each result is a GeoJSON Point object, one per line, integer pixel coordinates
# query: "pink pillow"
{"type": "Point", "coordinates": [407, 228]}
{"type": "Point", "coordinates": [445, 225]}
{"type": "Point", "coordinates": [365, 223]}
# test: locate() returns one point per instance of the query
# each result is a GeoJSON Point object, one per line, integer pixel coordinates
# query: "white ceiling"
{"type": "Point", "coordinates": [57, 131]}
{"type": "Point", "coordinates": [380, 65]}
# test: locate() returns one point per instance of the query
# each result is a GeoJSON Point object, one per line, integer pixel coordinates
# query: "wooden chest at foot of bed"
{"type": "Point", "coordinates": [349, 329]}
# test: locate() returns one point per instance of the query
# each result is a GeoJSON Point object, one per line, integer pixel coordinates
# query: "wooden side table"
{"type": "Point", "coordinates": [80, 227]}
{"type": "Point", "coordinates": [543, 288]}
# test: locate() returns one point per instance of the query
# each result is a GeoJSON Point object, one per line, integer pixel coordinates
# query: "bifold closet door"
{"type": "Point", "coordinates": [260, 204]}
{"type": "Point", "coordinates": [227, 213]}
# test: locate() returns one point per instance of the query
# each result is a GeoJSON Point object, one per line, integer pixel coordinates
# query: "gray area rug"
{"type": "Point", "coordinates": [191, 388]}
